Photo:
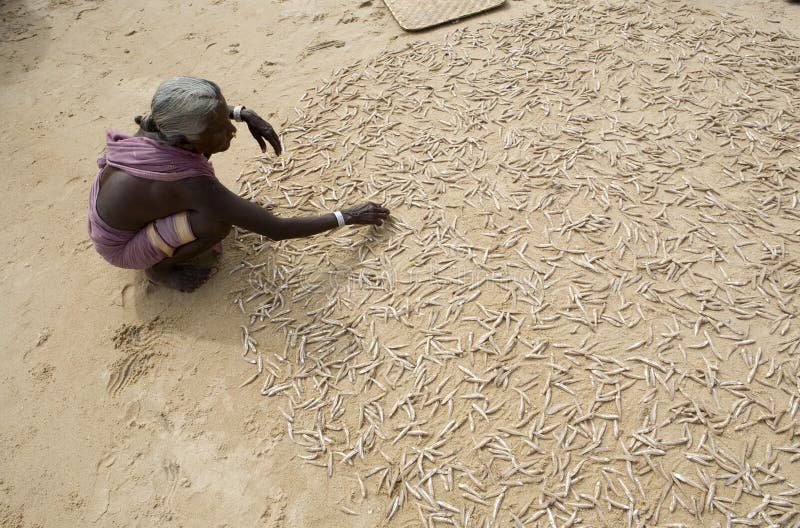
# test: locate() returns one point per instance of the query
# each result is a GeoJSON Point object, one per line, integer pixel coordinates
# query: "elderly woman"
{"type": "Point", "coordinates": [156, 202]}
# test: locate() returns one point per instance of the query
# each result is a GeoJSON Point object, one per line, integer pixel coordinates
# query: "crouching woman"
{"type": "Point", "coordinates": [156, 202]}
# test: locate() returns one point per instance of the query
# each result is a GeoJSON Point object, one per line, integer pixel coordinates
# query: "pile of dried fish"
{"type": "Point", "coordinates": [584, 309]}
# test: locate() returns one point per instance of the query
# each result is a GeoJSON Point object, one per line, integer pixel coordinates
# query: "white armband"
{"type": "Point", "coordinates": [237, 113]}
{"type": "Point", "coordinates": [339, 217]}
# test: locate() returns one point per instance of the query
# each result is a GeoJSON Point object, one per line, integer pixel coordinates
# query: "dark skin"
{"type": "Point", "coordinates": [129, 203]}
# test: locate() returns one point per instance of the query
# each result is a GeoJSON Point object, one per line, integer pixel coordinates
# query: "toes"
{"type": "Point", "coordinates": [183, 278]}
{"type": "Point", "coordinates": [198, 277]}
{"type": "Point", "coordinates": [203, 274]}
{"type": "Point", "coordinates": [186, 287]}
{"type": "Point", "coordinates": [190, 277]}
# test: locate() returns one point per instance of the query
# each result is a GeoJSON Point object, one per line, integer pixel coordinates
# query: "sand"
{"type": "Point", "coordinates": [120, 402]}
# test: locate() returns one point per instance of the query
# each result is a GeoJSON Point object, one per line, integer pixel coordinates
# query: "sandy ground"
{"type": "Point", "coordinates": [119, 403]}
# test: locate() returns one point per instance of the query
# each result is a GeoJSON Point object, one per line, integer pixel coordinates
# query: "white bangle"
{"type": "Point", "coordinates": [339, 217]}
{"type": "Point", "coordinates": [237, 113]}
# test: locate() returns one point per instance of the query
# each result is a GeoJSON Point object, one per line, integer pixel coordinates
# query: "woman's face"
{"type": "Point", "coordinates": [218, 133]}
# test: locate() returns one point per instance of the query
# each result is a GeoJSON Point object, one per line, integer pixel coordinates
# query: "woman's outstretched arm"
{"type": "Point", "coordinates": [218, 202]}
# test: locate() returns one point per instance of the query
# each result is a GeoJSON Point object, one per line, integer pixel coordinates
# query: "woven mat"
{"type": "Point", "coordinates": [413, 15]}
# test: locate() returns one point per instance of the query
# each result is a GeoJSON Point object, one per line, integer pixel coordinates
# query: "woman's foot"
{"type": "Point", "coordinates": [182, 277]}
{"type": "Point", "coordinates": [206, 259]}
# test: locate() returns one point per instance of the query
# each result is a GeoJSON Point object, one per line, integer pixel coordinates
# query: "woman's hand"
{"type": "Point", "coordinates": [261, 130]}
{"type": "Point", "coordinates": [368, 213]}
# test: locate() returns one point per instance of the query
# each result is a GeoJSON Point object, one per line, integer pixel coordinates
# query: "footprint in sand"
{"type": "Point", "coordinates": [267, 69]}
{"type": "Point", "coordinates": [173, 472]}
{"type": "Point", "coordinates": [10, 516]}
{"type": "Point", "coordinates": [313, 48]}
{"type": "Point", "coordinates": [142, 345]}
{"type": "Point", "coordinates": [275, 511]}
{"type": "Point", "coordinates": [42, 373]}
{"type": "Point", "coordinates": [82, 246]}
{"type": "Point", "coordinates": [348, 18]}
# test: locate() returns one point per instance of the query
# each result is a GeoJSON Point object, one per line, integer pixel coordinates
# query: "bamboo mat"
{"type": "Point", "coordinates": [413, 15]}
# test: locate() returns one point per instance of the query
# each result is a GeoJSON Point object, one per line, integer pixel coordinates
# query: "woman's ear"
{"type": "Point", "coordinates": [184, 143]}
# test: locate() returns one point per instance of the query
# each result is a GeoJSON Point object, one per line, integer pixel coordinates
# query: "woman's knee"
{"type": "Point", "coordinates": [207, 228]}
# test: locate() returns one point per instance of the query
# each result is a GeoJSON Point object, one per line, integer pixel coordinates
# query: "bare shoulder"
{"type": "Point", "coordinates": [112, 174]}
{"type": "Point", "coordinates": [200, 185]}
{"type": "Point", "coordinates": [199, 193]}
{"type": "Point", "coordinates": [119, 189]}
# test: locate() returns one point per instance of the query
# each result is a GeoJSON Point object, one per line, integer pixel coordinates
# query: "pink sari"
{"type": "Point", "coordinates": [144, 158]}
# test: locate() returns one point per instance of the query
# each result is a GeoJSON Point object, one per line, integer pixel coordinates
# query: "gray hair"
{"type": "Point", "coordinates": [180, 108]}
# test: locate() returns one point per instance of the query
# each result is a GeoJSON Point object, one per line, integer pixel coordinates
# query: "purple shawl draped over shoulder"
{"type": "Point", "coordinates": [144, 158]}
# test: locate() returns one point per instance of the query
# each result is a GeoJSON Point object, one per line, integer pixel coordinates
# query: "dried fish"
{"type": "Point", "coordinates": [590, 263]}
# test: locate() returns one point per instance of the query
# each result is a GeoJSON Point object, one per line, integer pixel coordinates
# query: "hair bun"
{"type": "Point", "coordinates": [147, 123]}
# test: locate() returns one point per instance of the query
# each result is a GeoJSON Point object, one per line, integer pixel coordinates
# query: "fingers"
{"type": "Point", "coordinates": [368, 213]}
{"type": "Point", "coordinates": [377, 208]}
{"type": "Point", "coordinates": [272, 137]}
{"type": "Point", "coordinates": [369, 219]}
{"type": "Point", "coordinates": [256, 132]}
{"type": "Point", "coordinates": [264, 130]}
{"type": "Point", "coordinates": [376, 216]}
